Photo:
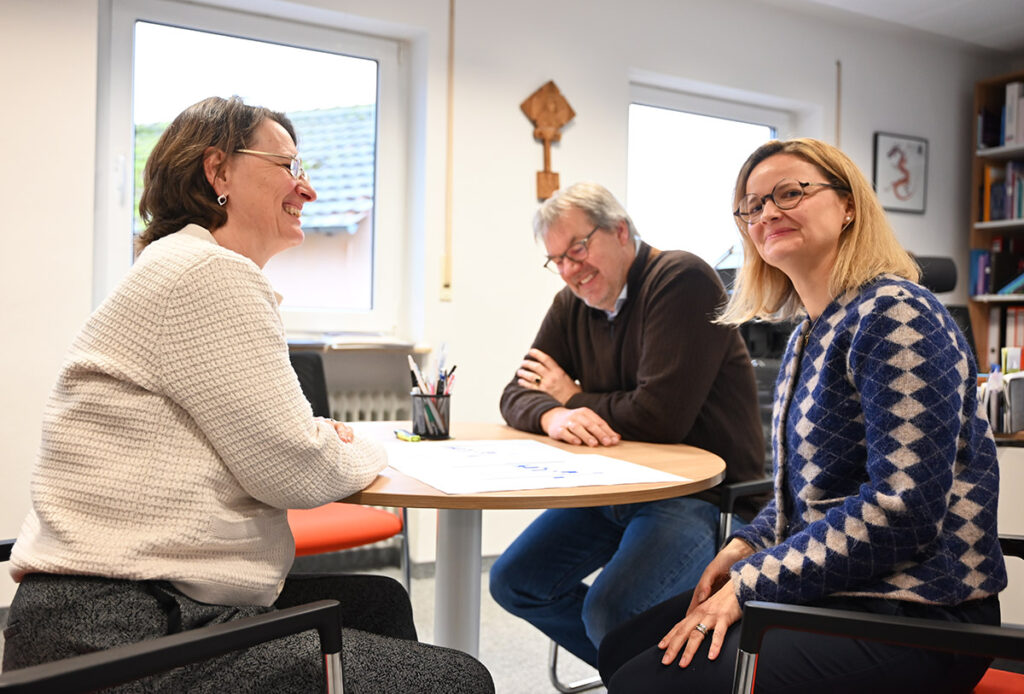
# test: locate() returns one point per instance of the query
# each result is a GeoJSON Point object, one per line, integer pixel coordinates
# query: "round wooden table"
{"type": "Point", "coordinates": [457, 581]}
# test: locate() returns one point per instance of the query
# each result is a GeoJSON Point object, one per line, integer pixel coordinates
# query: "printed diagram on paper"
{"type": "Point", "coordinates": [469, 467]}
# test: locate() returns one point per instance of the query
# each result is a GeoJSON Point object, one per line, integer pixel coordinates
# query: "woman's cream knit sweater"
{"type": "Point", "coordinates": [177, 435]}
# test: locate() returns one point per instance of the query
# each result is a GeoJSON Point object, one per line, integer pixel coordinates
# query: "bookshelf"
{"type": "Point", "coordinates": [997, 226]}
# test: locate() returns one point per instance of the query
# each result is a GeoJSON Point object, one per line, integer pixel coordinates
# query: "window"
{"type": "Point", "coordinates": [684, 154]}
{"type": "Point", "coordinates": [342, 91]}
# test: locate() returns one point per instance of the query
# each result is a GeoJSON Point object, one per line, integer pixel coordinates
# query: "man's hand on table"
{"type": "Point", "coordinates": [581, 426]}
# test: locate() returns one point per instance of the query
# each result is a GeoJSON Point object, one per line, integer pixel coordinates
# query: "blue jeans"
{"type": "Point", "coordinates": [650, 552]}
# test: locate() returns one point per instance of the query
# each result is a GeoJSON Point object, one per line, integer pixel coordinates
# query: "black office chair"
{"type": "Point", "coordinates": [971, 639]}
{"type": "Point", "coordinates": [938, 275]}
{"type": "Point", "coordinates": [334, 527]}
{"type": "Point", "coordinates": [309, 368]}
{"type": "Point", "coordinates": [766, 343]}
{"type": "Point", "coordinates": [92, 671]}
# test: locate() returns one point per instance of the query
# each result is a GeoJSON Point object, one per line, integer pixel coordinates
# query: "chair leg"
{"type": "Point", "coordinates": [571, 687]}
{"type": "Point", "coordinates": [743, 679]}
{"type": "Point", "coordinates": [724, 528]}
{"type": "Point", "coordinates": [406, 564]}
{"type": "Point", "coordinates": [335, 685]}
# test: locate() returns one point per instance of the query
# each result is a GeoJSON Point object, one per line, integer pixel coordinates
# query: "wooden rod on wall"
{"type": "Point", "coordinates": [839, 99]}
{"type": "Point", "coordinates": [446, 267]}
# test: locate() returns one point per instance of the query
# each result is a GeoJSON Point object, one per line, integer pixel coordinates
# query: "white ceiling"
{"type": "Point", "coordinates": [993, 24]}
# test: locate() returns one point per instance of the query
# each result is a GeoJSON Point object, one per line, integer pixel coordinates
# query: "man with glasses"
{"type": "Point", "coordinates": [627, 350]}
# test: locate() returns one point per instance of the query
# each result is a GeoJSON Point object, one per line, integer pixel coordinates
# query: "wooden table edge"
{"type": "Point", "coordinates": [413, 493]}
{"type": "Point", "coordinates": [540, 498]}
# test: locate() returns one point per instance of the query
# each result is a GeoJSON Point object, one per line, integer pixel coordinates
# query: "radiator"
{"type": "Point", "coordinates": [369, 405]}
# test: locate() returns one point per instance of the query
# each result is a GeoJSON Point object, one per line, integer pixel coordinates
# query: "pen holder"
{"type": "Point", "coordinates": [430, 415]}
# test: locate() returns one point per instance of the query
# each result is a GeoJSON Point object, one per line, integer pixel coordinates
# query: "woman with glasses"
{"type": "Point", "coordinates": [885, 475]}
{"type": "Point", "coordinates": [177, 436]}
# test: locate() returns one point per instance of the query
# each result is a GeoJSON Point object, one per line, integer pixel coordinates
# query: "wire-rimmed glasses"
{"type": "Point", "coordinates": [786, 195]}
{"type": "Point", "coordinates": [294, 165]}
{"type": "Point", "coordinates": [577, 253]}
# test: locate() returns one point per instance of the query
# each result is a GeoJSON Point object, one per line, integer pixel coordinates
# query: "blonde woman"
{"type": "Point", "coordinates": [885, 475]}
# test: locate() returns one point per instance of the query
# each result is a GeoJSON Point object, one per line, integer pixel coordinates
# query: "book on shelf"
{"type": "Point", "coordinates": [1002, 191]}
{"type": "Point", "coordinates": [1010, 361]}
{"type": "Point", "coordinates": [1003, 126]}
{"type": "Point", "coordinates": [1004, 267]}
{"type": "Point", "coordinates": [978, 272]}
{"type": "Point", "coordinates": [1014, 92]}
{"type": "Point", "coordinates": [992, 271]}
{"type": "Point", "coordinates": [1014, 328]}
{"type": "Point", "coordinates": [1015, 286]}
{"type": "Point", "coordinates": [993, 177]}
{"type": "Point", "coordinates": [1020, 120]}
{"type": "Point", "coordinates": [1005, 337]}
{"type": "Point", "coordinates": [995, 337]}
{"type": "Point", "coordinates": [989, 121]}
{"type": "Point", "coordinates": [1013, 202]}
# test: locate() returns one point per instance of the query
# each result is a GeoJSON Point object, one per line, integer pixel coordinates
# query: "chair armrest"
{"type": "Point", "coordinates": [5, 549]}
{"type": "Point", "coordinates": [1012, 545]}
{"type": "Point", "coordinates": [132, 661]}
{"type": "Point", "coordinates": [972, 639]}
{"type": "Point", "coordinates": [729, 493]}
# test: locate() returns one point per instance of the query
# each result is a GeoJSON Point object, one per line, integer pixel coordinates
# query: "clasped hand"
{"type": "Point", "coordinates": [541, 372]}
{"type": "Point", "coordinates": [714, 605]}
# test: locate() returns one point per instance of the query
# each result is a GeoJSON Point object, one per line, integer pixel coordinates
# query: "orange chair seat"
{"type": "Point", "coordinates": [331, 527]}
{"type": "Point", "coordinates": [1000, 682]}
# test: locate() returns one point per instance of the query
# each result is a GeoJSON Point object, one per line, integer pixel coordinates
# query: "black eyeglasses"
{"type": "Point", "coordinates": [294, 164]}
{"type": "Point", "coordinates": [786, 195]}
{"type": "Point", "coordinates": [577, 253]}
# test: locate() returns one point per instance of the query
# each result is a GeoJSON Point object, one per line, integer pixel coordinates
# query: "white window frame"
{"type": "Point", "coordinates": [114, 141]}
{"type": "Point", "coordinates": [784, 122]}
{"type": "Point", "coordinates": [785, 117]}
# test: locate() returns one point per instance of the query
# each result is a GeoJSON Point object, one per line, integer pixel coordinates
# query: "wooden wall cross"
{"type": "Point", "coordinates": [548, 110]}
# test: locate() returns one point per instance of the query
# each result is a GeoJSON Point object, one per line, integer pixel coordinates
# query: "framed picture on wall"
{"type": "Point", "coordinates": [901, 171]}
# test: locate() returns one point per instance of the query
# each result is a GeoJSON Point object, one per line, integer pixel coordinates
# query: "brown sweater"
{"type": "Point", "coordinates": [660, 371]}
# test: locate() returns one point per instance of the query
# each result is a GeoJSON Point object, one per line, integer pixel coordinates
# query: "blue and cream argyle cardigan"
{"type": "Point", "coordinates": [886, 478]}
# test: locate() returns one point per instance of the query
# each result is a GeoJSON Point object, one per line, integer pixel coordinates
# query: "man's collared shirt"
{"type": "Point", "coordinates": [622, 295]}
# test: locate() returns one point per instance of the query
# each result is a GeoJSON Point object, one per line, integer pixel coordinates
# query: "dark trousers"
{"type": "Point", "coordinates": [55, 617]}
{"type": "Point", "coordinates": [795, 662]}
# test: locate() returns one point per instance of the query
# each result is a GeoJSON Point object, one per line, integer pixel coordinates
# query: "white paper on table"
{"type": "Point", "coordinates": [469, 467]}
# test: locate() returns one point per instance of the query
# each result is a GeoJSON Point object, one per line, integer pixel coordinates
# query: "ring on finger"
{"type": "Point", "coordinates": [537, 380]}
{"type": "Point", "coordinates": [702, 629]}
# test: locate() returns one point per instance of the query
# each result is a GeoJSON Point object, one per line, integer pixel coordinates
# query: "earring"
{"type": "Point", "coordinates": [222, 199]}
{"type": "Point", "coordinates": [848, 218]}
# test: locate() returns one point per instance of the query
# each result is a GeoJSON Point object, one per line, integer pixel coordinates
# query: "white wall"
{"type": "Point", "coordinates": [47, 132]}
{"type": "Point", "coordinates": [893, 81]}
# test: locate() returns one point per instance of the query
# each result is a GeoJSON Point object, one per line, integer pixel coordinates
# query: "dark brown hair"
{"type": "Point", "coordinates": [175, 190]}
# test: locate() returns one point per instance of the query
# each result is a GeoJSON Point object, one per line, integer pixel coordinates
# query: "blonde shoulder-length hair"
{"type": "Point", "coordinates": [867, 247]}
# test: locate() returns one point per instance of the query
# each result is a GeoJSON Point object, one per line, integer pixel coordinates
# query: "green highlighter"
{"type": "Point", "coordinates": [406, 435]}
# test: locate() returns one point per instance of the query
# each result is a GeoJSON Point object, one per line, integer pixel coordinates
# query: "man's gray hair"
{"type": "Point", "coordinates": [592, 199]}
